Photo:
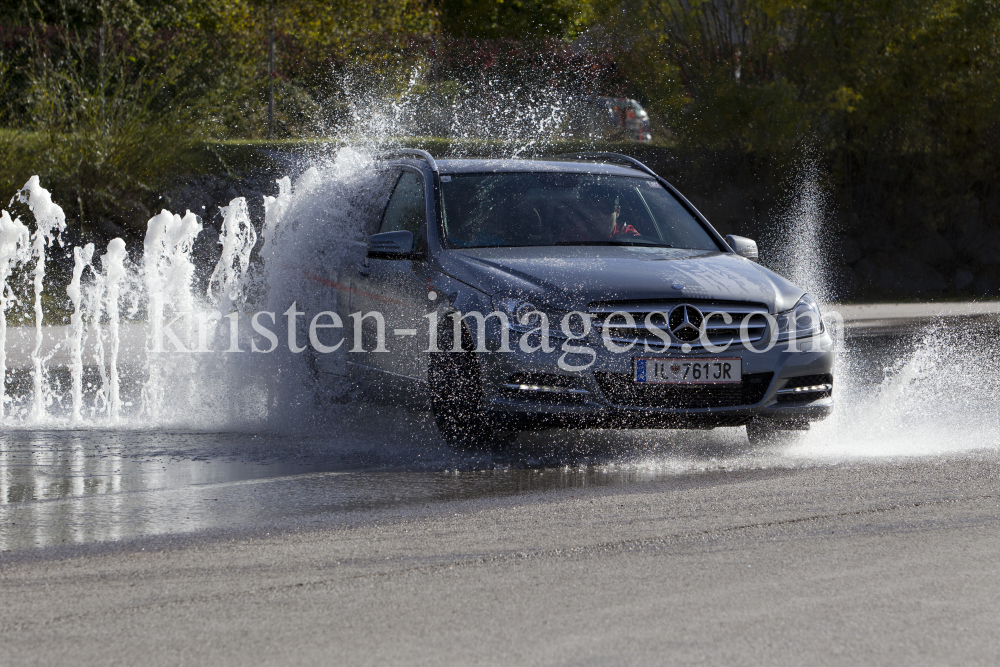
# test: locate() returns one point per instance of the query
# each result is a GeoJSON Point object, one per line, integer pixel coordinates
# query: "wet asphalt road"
{"type": "Point", "coordinates": [888, 563]}
{"type": "Point", "coordinates": [598, 548]}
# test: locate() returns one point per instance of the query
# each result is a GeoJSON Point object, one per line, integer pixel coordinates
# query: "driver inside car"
{"type": "Point", "coordinates": [594, 218]}
{"type": "Point", "coordinates": [609, 208]}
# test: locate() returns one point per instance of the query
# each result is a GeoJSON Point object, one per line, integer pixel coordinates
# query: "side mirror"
{"type": "Point", "coordinates": [391, 245]}
{"type": "Point", "coordinates": [742, 246]}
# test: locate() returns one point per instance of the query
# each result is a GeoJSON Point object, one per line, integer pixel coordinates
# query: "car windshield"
{"type": "Point", "coordinates": [545, 209]}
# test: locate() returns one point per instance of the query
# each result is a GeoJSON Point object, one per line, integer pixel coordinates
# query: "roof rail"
{"type": "Point", "coordinates": [609, 157]}
{"type": "Point", "coordinates": [412, 152]}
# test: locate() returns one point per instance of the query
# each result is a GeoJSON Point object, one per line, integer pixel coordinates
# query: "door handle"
{"type": "Point", "coordinates": [364, 270]}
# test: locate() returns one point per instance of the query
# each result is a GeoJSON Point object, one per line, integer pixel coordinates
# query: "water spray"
{"type": "Point", "coordinates": [50, 221]}
{"type": "Point", "coordinates": [113, 263]}
{"type": "Point", "coordinates": [168, 274]}
{"type": "Point", "coordinates": [14, 239]}
{"type": "Point", "coordinates": [81, 260]}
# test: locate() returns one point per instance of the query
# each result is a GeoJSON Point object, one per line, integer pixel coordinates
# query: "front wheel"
{"type": "Point", "coordinates": [456, 398]}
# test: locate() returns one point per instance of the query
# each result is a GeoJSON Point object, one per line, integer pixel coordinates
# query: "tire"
{"type": "Point", "coordinates": [456, 398]}
{"type": "Point", "coordinates": [761, 433]}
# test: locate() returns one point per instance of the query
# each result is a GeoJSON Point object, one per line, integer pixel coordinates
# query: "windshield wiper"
{"type": "Point", "coordinates": [652, 244]}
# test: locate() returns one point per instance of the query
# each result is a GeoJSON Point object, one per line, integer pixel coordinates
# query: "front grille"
{"type": "Point", "coordinates": [786, 395]}
{"type": "Point", "coordinates": [664, 317]}
{"type": "Point", "coordinates": [621, 389]}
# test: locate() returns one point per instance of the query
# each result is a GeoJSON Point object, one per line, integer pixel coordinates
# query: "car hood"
{"type": "Point", "coordinates": [572, 277]}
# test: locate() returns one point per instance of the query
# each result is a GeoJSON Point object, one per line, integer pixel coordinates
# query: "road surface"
{"type": "Point", "coordinates": [876, 541]}
{"type": "Point", "coordinates": [889, 563]}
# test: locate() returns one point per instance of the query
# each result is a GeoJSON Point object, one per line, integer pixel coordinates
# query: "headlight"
{"type": "Point", "coordinates": [525, 316]}
{"type": "Point", "coordinates": [802, 321]}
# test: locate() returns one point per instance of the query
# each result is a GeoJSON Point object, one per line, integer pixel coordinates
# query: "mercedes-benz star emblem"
{"type": "Point", "coordinates": [685, 323]}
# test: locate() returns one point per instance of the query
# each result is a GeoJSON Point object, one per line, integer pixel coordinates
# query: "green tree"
{"type": "Point", "coordinates": [759, 73]}
{"type": "Point", "coordinates": [517, 19]}
{"type": "Point", "coordinates": [714, 70]}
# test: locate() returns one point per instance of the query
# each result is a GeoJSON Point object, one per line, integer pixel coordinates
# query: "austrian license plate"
{"type": "Point", "coordinates": [712, 370]}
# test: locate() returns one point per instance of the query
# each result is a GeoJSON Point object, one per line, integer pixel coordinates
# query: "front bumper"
{"type": "Point", "coordinates": [531, 391]}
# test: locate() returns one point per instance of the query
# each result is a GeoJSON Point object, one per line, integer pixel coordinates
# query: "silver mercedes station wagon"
{"type": "Point", "coordinates": [580, 291]}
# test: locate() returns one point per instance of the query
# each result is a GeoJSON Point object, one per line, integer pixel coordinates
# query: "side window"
{"type": "Point", "coordinates": [406, 210]}
{"type": "Point", "coordinates": [373, 196]}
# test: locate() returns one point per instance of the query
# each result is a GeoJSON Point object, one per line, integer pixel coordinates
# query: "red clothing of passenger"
{"type": "Point", "coordinates": [620, 231]}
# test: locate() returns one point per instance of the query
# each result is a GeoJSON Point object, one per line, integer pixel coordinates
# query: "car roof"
{"type": "Point", "coordinates": [517, 165]}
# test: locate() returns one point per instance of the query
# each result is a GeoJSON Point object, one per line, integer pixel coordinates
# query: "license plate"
{"type": "Point", "coordinates": [712, 370]}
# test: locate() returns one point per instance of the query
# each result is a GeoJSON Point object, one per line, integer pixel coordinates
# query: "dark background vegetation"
{"type": "Point", "coordinates": [120, 103]}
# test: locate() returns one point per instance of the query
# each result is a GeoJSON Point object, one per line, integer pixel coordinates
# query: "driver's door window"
{"type": "Point", "coordinates": [407, 209]}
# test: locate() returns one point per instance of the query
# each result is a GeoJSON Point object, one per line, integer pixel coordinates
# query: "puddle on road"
{"type": "Point", "coordinates": [64, 493]}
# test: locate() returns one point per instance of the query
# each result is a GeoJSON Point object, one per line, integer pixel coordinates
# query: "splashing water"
{"type": "Point", "coordinates": [81, 260]}
{"type": "Point", "coordinates": [518, 117]}
{"type": "Point", "coordinates": [50, 221]}
{"type": "Point", "coordinates": [194, 368]}
{"type": "Point", "coordinates": [169, 280]}
{"type": "Point", "coordinates": [113, 263]}
{"type": "Point", "coordinates": [238, 240]}
{"type": "Point", "coordinates": [938, 396]}
{"type": "Point", "coordinates": [195, 365]}
{"type": "Point", "coordinates": [13, 251]}
{"type": "Point", "coordinates": [800, 246]}
{"type": "Point", "coordinates": [146, 350]}
{"type": "Point", "coordinates": [307, 229]}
